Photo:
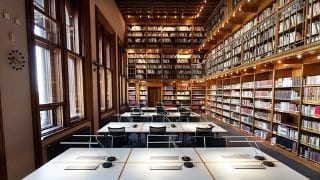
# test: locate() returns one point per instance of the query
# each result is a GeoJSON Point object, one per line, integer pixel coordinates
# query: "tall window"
{"type": "Point", "coordinates": [106, 69]}
{"type": "Point", "coordinates": [55, 48]}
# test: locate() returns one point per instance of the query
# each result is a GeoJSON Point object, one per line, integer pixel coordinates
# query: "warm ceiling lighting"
{"type": "Point", "coordinates": [318, 57]}
{"type": "Point", "coordinates": [234, 14]}
{"type": "Point", "coordinates": [165, 16]}
{"type": "Point", "coordinates": [299, 56]}
{"type": "Point", "coordinates": [254, 67]}
{"type": "Point", "coordinates": [140, 16]}
{"type": "Point", "coordinates": [237, 72]}
{"type": "Point", "coordinates": [158, 16]}
{"type": "Point", "coordinates": [175, 17]}
{"type": "Point", "coordinates": [205, 1]}
{"type": "Point", "coordinates": [245, 70]}
{"type": "Point", "coordinates": [279, 61]}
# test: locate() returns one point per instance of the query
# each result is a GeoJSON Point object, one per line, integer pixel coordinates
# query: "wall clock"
{"type": "Point", "coordinates": [16, 60]}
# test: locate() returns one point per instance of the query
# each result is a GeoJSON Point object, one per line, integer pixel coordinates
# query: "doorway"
{"type": "Point", "coordinates": [154, 96]}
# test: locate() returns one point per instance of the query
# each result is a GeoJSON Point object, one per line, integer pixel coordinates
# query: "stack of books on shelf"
{"type": "Point", "coordinates": [310, 110]}
{"type": "Point", "coordinates": [288, 82]}
{"type": "Point", "coordinates": [286, 107]}
{"type": "Point", "coordinates": [287, 95]}
{"type": "Point", "coordinates": [309, 125]}
{"type": "Point", "coordinates": [287, 132]}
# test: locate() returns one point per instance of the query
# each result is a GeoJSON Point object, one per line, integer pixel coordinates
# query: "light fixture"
{"type": "Point", "coordinates": [140, 16]}
{"type": "Point", "coordinates": [299, 56]}
{"type": "Point", "coordinates": [279, 61]}
{"type": "Point", "coordinates": [318, 57]}
{"type": "Point", "coordinates": [245, 70]}
{"type": "Point", "coordinates": [254, 67]}
{"type": "Point", "coordinates": [165, 16]}
{"type": "Point", "coordinates": [175, 17]}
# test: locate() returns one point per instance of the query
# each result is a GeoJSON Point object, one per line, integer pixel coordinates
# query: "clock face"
{"type": "Point", "coordinates": [16, 60]}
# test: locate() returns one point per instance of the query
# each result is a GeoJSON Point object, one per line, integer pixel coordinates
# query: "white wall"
{"type": "Point", "coordinates": [15, 93]}
{"type": "Point", "coordinates": [112, 14]}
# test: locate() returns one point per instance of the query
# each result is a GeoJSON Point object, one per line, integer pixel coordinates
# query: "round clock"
{"type": "Point", "coordinates": [16, 60]}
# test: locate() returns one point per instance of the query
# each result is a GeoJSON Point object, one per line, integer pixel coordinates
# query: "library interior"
{"type": "Point", "coordinates": [163, 89]}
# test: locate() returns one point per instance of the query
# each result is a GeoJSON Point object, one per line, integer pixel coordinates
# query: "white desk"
{"type": "Point", "coordinates": [128, 126]}
{"type": "Point", "coordinates": [141, 171]}
{"type": "Point", "coordinates": [222, 154]}
{"type": "Point", "coordinates": [177, 129]}
{"type": "Point", "coordinates": [148, 109]}
{"type": "Point", "coordinates": [191, 127]}
{"type": "Point", "coordinates": [75, 155]}
{"type": "Point", "coordinates": [138, 166]}
{"type": "Point", "coordinates": [225, 171]}
{"type": "Point", "coordinates": [181, 127]}
{"type": "Point", "coordinates": [150, 114]}
{"type": "Point", "coordinates": [144, 154]}
{"type": "Point", "coordinates": [55, 171]}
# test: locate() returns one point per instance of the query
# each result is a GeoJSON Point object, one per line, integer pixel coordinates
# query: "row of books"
{"type": "Point", "coordinates": [143, 55]}
{"type": "Point", "coordinates": [312, 80]}
{"type": "Point", "coordinates": [287, 94]}
{"type": "Point", "coordinates": [263, 104]}
{"type": "Point", "coordinates": [285, 131]}
{"type": "Point", "coordinates": [311, 125]}
{"type": "Point", "coordinates": [312, 94]}
{"type": "Point", "coordinates": [284, 142]}
{"type": "Point", "coordinates": [247, 119]}
{"type": "Point", "coordinates": [310, 153]}
{"type": "Point", "coordinates": [310, 140]}
{"type": "Point", "coordinates": [263, 94]}
{"type": "Point", "coordinates": [262, 134]}
{"type": "Point", "coordinates": [310, 110]}
{"type": "Point", "coordinates": [262, 124]}
{"type": "Point", "coordinates": [165, 28]}
{"type": "Point", "coordinates": [247, 111]}
{"type": "Point", "coordinates": [288, 82]}
{"type": "Point", "coordinates": [262, 114]}
{"type": "Point", "coordinates": [287, 107]}
{"type": "Point", "coordinates": [248, 103]}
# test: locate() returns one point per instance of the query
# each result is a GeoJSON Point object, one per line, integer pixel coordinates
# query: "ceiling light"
{"type": "Point", "coordinates": [318, 57]}
{"type": "Point", "coordinates": [299, 56]}
{"type": "Point", "coordinates": [140, 16]}
{"type": "Point", "coordinates": [279, 61]}
{"type": "Point", "coordinates": [165, 16]}
{"type": "Point", "coordinates": [175, 17]}
{"type": "Point", "coordinates": [245, 70]}
{"type": "Point", "coordinates": [254, 67]}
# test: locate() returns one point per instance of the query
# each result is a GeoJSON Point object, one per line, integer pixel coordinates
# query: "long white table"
{"type": "Point", "coordinates": [180, 127]}
{"type": "Point", "coordinates": [150, 114]}
{"type": "Point", "coordinates": [136, 164]}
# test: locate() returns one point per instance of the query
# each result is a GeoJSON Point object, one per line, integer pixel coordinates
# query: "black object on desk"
{"type": "Point", "coordinates": [106, 164]}
{"type": "Point", "coordinates": [188, 164]}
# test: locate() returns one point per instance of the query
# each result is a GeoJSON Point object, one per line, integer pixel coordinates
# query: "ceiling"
{"type": "Point", "coordinates": [166, 11]}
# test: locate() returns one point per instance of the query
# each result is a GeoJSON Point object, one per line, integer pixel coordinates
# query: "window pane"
{"type": "Point", "coordinates": [49, 75]}
{"type": "Point", "coordinates": [47, 6]}
{"type": "Point", "coordinates": [75, 88]}
{"type": "Point", "coordinates": [102, 90]}
{"type": "Point", "coordinates": [51, 118]}
{"type": "Point", "coordinates": [123, 90]}
{"type": "Point", "coordinates": [108, 55]}
{"type": "Point", "coordinates": [45, 28]}
{"type": "Point", "coordinates": [109, 88]}
{"type": "Point", "coordinates": [72, 31]}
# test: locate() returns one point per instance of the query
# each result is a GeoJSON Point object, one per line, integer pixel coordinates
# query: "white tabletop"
{"type": "Point", "coordinates": [141, 171]}
{"type": "Point", "coordinates": [226, 171]}
{"type": "Point", "coordinates": [145, 154]}
{"type": "Point", "coordinates": [231, 154]}
{"type": "Point", "coordinates": [150, 114]}
{"type": "Point", "coordinates": [188, 127]}
{"type": "Point", "coordinates": [191, 126]}
{"type": "Point", "coordinates": [178, 128]}
{"type": "Point", "coordinates": [128, 126]}
{"type": "Point", "coordinates": [148, 108]}
{"type": "Point", "coordinates": [82, 155]}
{"type": "Point", "coordinates": [55, 171]}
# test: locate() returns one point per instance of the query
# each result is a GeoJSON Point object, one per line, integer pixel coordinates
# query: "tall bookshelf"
{"type": "Point", "coordinates": [183, 93]}
{"type": "Point", "coordinates": [143, 94]}
{"type": "Point", "coordinates": [310, 122]}
{"type": "Point", "coordinates": [169, 97]}
{"type": "Point", "coordinates": [211, 98]}
{"type": "Point", "coordinates": [198, 96]}
{"type": "Point", "coordinates": [132, 96]}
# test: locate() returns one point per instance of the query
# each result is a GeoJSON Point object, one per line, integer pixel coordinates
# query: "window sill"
{"type": "Point", "coordinates": [56, 132]}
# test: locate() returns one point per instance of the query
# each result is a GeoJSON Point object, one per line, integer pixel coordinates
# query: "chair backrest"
{"type": "Point", "coordinates": [135, 118]}
{"type": "Point", "coordinates": [117, 131]}
{"type": "Point", "coordinates": [158, 118]}
{"type": "Point", "coordinates": [136, 109]}
{"type": "Point", "coordinates": [159, 104]}
{"type": "Point", "coordinates": [184, 116]}
{"type": "Point", "coordinates": [157, 130]}
{"type": "Point", "coordinates": [160, 110]}
{"type": "Point", "coordinates": [216, 142]}
{"type": "Point", "coordinates": [203, 131]}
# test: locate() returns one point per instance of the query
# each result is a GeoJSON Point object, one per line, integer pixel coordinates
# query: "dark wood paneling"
{"type": "Point", "coordinates": [3, 161]}
{"type": "Point", "coordinates": [154, 96]}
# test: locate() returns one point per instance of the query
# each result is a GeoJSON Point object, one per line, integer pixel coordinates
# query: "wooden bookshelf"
{"type": "Point", "coordinates": [198, 96]}
{"type": "Point", "coordinates": [143, 94]}
{"type": "Point", "coordinates": [164, 36]}
{"type": "Point", "coordinates": [132, 94]}
{"type": "Point", "coordinates": [168, 95]}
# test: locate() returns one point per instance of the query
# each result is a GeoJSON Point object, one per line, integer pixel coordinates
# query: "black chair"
{"type": "Point", "coordinates": [136, 109]}
{"type": "Point", "coordinates": [158, 118]}
{"type": "Point", "coordinates": [160, 110]}
{"type": "Point", "coordinates": [136, 118]}
{"type": "Point", "coordinates": [215, 142]}
{"type": "Point", "coordinates": [118, 136]}
{"type": "Point", "coordinates": [157, 137]}
{"type": "Point", "coordinates": [184, 116]}
{"type": "Point", "coordinates": [159, 104]}
{"type": "Point", "coordinates": [201, 136]}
